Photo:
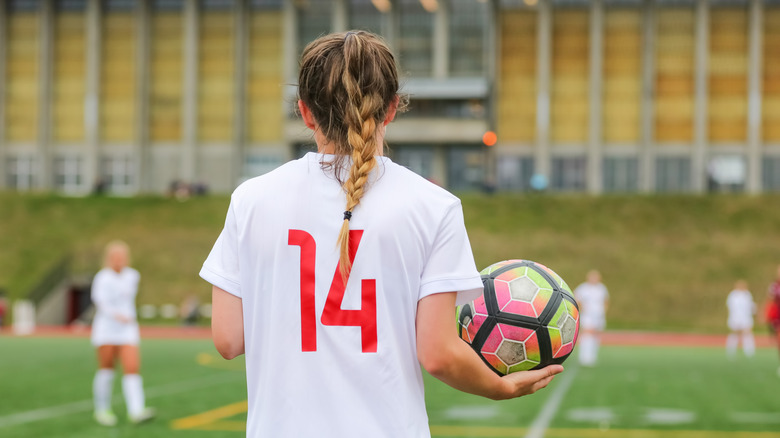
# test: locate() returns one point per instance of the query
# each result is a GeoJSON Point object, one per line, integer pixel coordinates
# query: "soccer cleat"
{"type": "Point", "coordinates": [105, 418]}
{"type": "Point", "coordinates": [146, 415]}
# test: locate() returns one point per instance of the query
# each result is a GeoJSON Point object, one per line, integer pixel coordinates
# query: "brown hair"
{"type": "Point", "coordinates": [349, 81]}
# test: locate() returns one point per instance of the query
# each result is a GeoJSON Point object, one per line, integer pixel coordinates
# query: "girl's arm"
{"type": "Point", "coordinates": [445, 356]}
{"type": "Point", "coordinates": [227, 323]}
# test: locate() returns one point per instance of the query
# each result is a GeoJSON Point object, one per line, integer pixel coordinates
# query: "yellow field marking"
{"type": "Point", "coordinates": [209, 418]}
{"type": "Point", "coordinates": [498, 432]}
{"type": "Point", "coordinates": [211, 360]}
{"type": "Point", "coordinates": [215, 420]}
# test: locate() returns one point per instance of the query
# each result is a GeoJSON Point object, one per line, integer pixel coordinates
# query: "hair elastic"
{"type": "Point", "coordinates": [347, 215]}
{"type": "Point", "coordinates": [348, 34]}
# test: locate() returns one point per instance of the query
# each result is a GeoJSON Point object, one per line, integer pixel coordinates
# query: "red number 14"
{"type": "Point", "coordinates": [333, 314]}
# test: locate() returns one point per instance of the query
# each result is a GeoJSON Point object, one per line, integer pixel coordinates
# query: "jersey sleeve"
{"type": "Point", "coordinates": [221, 268]}
{"type": "Point", "coordinates": [450, 265]}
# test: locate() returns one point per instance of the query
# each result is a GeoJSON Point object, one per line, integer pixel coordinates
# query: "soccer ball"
{"type": "Point", "coordinates": [526, 318]}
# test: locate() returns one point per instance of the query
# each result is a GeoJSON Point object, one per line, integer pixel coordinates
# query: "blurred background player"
{"type": "Point", "coordinates": [593, 299]}
{"type": "Point", "coordinates": [3, 308]}
{"type": "Point", "coordinates": [115, 335]}
{"type": "Point", "coordinates": [774, 316]}
{"type": "Point", "coordinates": [741, 310]}
{"type": "Point", "coordinates": [292, 239]}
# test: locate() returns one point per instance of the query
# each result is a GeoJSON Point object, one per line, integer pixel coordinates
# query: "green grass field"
{"type": "Point", "coordinates": [635, 392]}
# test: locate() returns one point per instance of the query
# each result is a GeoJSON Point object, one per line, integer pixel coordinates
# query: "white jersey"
{"type": "Point", "coordinates": [114, 294]}
{"type": "Point", "coordinates": [741, 309]}
{"type": "Point", "coordinates": [593, 305]}
{"type": "Point", "coordinates": [319, 362]}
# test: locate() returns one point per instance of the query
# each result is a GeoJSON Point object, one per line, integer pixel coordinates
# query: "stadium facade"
{"type": "Point", "coordinates": [594, 96]}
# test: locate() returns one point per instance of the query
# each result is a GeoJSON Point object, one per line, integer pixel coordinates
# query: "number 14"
{"type": "Point", "coordinates": [333, 314]}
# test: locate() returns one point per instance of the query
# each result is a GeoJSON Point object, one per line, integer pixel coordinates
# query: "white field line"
{"type": "Point", "coordinates": [550, 407]}
{"type": "Point", "coordinates": [86, 405]}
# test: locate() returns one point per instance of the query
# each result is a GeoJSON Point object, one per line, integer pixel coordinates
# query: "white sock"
{"type": "Point", "coordinates": [133, 389]}
{"type": "Point", "coordinates": [101, 389]}
{"type": "Point", "coordinates": [588, 349]}
{"type": "Point", "coordinates": [731, 344]}
{"type": "Point", "coordinates": [748, 344]}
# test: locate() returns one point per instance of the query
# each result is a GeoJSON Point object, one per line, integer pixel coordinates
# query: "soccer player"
{"type": "Point", "coordinates": [774, 320]}
{"type": "Point", "coordinates": [741, 310]}
{"type": "Point", "coordinates": [593, 299]}
{"type": "Point", "coordinates": [115, 335]}
{"type": "Point", "coordinates": [337, 274]}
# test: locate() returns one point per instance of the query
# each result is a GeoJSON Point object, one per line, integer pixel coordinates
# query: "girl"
{"type": "Point", "coordinates": [115, 335]}
{"type": "Point", "coordinates": [741, 310]}
{"type": "Point", "coordinates": [336, 273]}
{"type": "Point", "coordinates": [593, 299]}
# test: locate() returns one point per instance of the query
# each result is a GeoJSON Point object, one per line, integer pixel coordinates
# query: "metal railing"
{"type": "Point", "coordinates": [58, 272]}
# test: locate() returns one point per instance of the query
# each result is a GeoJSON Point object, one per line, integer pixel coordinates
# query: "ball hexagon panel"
{"type": "Point", "coordinates": [471, 317]}
{"type": "Point", "coordinates": [563, 329]}
{"type": "Point", "coordinates": [509, 348]}
{"type": "Point", "coordinates": [522, 291]}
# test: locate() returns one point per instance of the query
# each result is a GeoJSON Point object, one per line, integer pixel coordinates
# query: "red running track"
{"type": "Point", "coordinates": [629, 338]}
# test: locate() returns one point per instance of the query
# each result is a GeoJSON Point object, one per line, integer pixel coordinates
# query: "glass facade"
{"type": "Point", "coordinates": [418, 158]}
{"type": "Point", "coordinates": [621, 174]}
{"type": "Point", "coordinates": [21, 172]}
{"type": "Point", "coordinates": [673, 174]}
{"type": "Point", "coordinates": [68, 173]}
{"type": "Point", "coordinates": [468, 29]}
{"type": "Point", "coordinates": [770, 167]}
{"type": "Point", "coordinates": [514, 173]}
{"type": "Point", "coordinates": [415, 42]}
{"type": "Point", "coordinates": [568, 174]}
{"type": "Point", "coordinates": [465, 167]}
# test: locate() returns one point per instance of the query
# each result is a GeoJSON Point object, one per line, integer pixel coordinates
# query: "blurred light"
{"type": "Point", "coordinates": [382, 5]}
{"type": "Point", "coordinates": [430, 5]}
{"type": "Point", "coordinates": [530, 2]}
{"type": "Point", "coordinates": [489, 138]}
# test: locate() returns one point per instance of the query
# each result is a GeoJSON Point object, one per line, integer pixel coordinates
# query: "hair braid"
{"type": "Point", "coordinates": [360, 114]}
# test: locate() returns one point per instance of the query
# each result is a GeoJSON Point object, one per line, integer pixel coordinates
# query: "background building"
{"type": "Point", "coordinates": [598, 96]}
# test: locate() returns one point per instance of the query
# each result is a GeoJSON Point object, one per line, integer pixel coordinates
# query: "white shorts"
{"type": "Point", "coordinates": [590, 322]}
{"type": "Point", "coordinates": [739, 324]}
{"type": "Point", "coordinates": [111, 332]}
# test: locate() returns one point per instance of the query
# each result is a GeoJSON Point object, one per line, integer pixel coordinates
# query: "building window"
{"type": "Point", "coordinates": [568, 174]}
{"type": "Point", "coordinates": [465, 168]}
{"type": "Point", "coordinates": [117, 175]}
{"type": "Point", "coordinates": [367, 15]}
{"type": "Point", "coordinates": [70, 5]}
{"type": "Point", "coordinates": [313, 21]}
{"type": "Point", "coordinates": [119, 5]}
{"type": "Point", "coordinates": [468, 23]}
{"type": "Point", "coordinates": [771, 174]}
{"type": "Point", "coordinates": [256, 165]}
{"type": "Point", "coordinates": [673, 174]}
{"type": "Point", "coordinates": [168, 5]}
{"type": "Point", "coordinates": [21, 173]}
{"type": "Point", "coordinates": [416, 38]}
{"type": "Point", "coordinates": [446, 108]}
{"type": "Point", "coordinates": [514, 173]}
{"type": "Point", "coordinates": [418, 158]}
{"type": "Point", "coordinates": [68, 174]}
{"type": "Point", "coordinates": [620, 174]}
{"type": "Point", "coordinates": [726, 173]}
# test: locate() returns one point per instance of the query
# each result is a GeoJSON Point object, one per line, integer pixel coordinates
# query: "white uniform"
{"type": "Point", "coordinates": [593, 298]}
{"type": "Point", "coordinates": [741, 310]}
{"type": "Point", "coordinates": [114, 293]}
{"type": "Point", "coordinates": [315, 369]}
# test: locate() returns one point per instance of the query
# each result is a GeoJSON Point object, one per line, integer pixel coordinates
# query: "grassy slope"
{"type": "Point", "coordinates": [668, 261]}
